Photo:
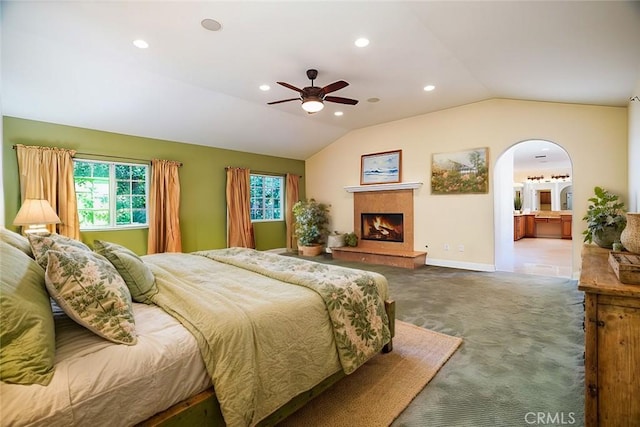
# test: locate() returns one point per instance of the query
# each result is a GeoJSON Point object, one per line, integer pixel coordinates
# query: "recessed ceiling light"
{"type": "Point", "coordinates": [211, 24]}
{"type": "Point", "coordinates": [265, 87]}
{"type": "Point", "coordinates": [373, 100]}
{"type": "Point", "coordinates": [338, 113]}
{"type": "Point", "coordinates": [362, 42]}
{"type": "Point", "coordinates": [429, 88]}
{"type": "Point", "coordinates": [141, 44]}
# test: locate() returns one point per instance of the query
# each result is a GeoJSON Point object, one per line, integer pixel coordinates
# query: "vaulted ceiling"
{"type": "Point", "coordinates": [73, 62]}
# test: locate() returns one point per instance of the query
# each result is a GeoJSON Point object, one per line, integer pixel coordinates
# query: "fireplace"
{"type": "Point", "coordinates": [394, 246]}
{"type": "Point", "coordinates": [382, 227]}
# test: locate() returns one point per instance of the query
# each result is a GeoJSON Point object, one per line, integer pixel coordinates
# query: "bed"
{"type": "Point", "coordinates": [237, 336]}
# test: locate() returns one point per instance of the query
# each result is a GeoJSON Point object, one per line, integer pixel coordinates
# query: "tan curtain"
{"type": "Point", "coordinates": [164, 208]}
{"type": "Point", "coordinates": [47, 173]}
{"type": "Point", "coordinates": [239, 227]}
{"type": "Point", "coordinates": [291, 198]}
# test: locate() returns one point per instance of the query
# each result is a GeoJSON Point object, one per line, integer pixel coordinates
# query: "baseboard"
{"type": "Point", "coordinates": [460, 264]}
{"type": "Point", "coordinates": [277, 250]}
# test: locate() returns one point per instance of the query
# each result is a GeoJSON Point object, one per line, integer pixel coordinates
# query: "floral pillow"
{"type": "Point", "coordinates": [42, 243]}
{"type": "Point", "coordinates": [90, 290]}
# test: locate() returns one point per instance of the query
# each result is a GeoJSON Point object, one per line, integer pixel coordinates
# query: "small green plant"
{"type": "Point", "coordinates": [517, 202]}
{"type": "Point", "coordinates": [605, 215]}
{"type": "Point", "coordinates": [311, 222]}
{"type": "Point", "coordinates": [351, 239]}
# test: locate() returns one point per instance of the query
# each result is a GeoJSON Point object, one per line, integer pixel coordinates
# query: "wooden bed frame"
{"type": "Point", "coordinates": [203, 409]}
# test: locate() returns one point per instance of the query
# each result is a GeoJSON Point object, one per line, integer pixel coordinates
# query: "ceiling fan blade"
{"type": "Point", "coordinates": [283, 100]}
{"type": "Point", "coordinates": [334, 86]}
{"type": "Point", "coordinates": [287, 85]}
{"type": "Point", "coordinates": [341, 100]}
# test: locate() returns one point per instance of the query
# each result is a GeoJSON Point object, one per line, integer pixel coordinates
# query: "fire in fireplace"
{"type": "Point", "coordinates": [385, 227]}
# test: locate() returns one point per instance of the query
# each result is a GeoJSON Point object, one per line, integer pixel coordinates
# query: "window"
{"type": "Point", "coordinates": [266, 198]}
{"type": "Point", "coordinates": [111, 195]}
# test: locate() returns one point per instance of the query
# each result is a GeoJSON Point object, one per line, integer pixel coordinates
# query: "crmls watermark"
{"type": "Point", "coordinates": [550, 418]}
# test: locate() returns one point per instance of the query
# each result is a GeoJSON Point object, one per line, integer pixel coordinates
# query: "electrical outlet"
{"type": "Point", "coordinates": [446, 246]}
{"type": "Point", "coordinates": [461, 248]}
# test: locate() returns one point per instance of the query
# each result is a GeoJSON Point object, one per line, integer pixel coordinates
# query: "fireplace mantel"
{"type": "Point", "coordinates": [383, 187]}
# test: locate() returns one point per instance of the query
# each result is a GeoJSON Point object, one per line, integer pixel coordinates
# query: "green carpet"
{"type": "Point", "coordinates": [522, 352]}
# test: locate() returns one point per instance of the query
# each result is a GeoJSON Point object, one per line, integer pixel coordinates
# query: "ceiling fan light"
{"type": "Point", "coordinates": [312, 105]}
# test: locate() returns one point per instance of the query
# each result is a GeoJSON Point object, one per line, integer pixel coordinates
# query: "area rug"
{"type": "Point", "coordinates": [379, 391]}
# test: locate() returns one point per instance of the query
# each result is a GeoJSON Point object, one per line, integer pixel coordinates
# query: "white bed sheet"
{"type": "Point", "coordinates": [99, 383]}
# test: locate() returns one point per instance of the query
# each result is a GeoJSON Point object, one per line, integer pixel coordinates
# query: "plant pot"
{"type": "Point", "coordinates": [605, 238]}
{"type": "Point", "coordinates": [334, 241]}
{"type": "Point", "coordinates": [630, 236]}
{"type": "Point", "coordinates": [313, 250]}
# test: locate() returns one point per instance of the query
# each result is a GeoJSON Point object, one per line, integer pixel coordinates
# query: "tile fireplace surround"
{"type": "Point", "coordinates": [381, 199]}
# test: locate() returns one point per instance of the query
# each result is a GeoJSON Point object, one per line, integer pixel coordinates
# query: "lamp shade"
{"type": "Point", "coordinates": [312, 105]}
{"type": "Point", "coordinates": [36, 212]}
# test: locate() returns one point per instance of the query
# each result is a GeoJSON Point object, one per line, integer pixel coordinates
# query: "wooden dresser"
{"type": "Point", "coordinates": [612, 343]}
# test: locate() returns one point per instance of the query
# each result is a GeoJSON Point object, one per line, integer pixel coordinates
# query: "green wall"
{"type": "Point", "coordinates": [202, 180]}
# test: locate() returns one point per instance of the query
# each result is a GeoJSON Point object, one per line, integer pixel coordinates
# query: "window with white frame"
{"type": "Point", "coordinates": [267, 197]}
{"type": "Point", "coordinates": [111, 194]}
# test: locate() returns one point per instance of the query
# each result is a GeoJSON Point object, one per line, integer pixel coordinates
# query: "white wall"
{"type": "Point", "coordinates": [503, 210]}
{"type": "Point", "coordinates": [594, 137]}
{"type": "Point", "coordinates": [634, 151]}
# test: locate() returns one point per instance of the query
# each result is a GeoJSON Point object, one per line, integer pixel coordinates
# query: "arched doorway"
{"type": "Point", "coordinates": [540, 173]}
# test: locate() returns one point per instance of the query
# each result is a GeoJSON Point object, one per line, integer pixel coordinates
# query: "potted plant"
{"type": "Point", "coordinates": [605, 219]}
{"type": "Point", "coordinates": [311, 221]}
{"type": "Point", "coordinates": [517, 203]}
{"type": "Point", "coordinates": [335, 240]}
{"type": "Point", "coordinates": [351, 239]}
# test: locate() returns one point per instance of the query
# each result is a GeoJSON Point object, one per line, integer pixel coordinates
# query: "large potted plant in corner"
{"type": "Point", "coordinates": [605, 219]}
{"type": "Point", "coordinates": [311, 222]}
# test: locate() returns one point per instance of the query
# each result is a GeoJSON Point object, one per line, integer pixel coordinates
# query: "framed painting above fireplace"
{"type": "Point", "coordinates": [381, 168]}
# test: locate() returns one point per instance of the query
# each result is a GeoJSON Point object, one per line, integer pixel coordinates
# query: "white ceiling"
{"type": "Point", "coordinates": [73, 62]}
{"type": "Point", "coordinates": [535, 157]}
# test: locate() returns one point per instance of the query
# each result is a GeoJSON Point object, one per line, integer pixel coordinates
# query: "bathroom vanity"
{"type": "Point", "coordinates": [545, 224]}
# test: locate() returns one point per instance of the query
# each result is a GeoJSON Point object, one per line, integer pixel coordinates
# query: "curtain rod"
{"type": "Point", "coordinates": [113, 157]}
{"type": "Point", "coordinates": [259, 172]}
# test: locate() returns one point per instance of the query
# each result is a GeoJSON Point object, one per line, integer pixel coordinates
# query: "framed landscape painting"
{"type": "Point", "coordinates": [381, 168]}
{"type": "Point", "coordinates": [460, 172]}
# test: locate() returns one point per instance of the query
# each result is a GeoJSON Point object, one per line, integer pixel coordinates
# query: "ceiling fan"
{"type": "Point", "coordinates": [313, 97]}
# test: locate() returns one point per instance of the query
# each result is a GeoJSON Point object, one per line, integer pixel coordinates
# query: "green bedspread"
{"type": "Point", "coordinates": [352, 298]}
{"type": "Point", "coordinates": [264, 341]}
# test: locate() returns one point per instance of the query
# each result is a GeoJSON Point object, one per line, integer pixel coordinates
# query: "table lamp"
{"type": "Point", "coordinates": [34, 214]}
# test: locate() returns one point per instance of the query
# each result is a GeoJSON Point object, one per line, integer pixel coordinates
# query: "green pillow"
{"type": "Point", "coordinates": [42, 243]}
{"type": "Point", "coordinates": [27, 334]}
{"type": "Point", "coordinates": [90, 290]}
{"type": "Point", "coordinates": [16, 240]}
{"type": "Point", "coordinates": [136, 274]}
